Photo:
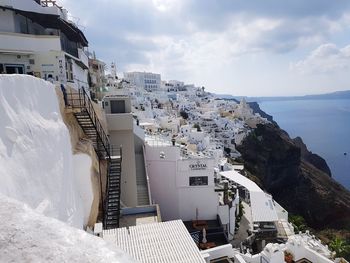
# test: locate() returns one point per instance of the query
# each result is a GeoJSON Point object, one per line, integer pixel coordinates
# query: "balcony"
{"type": "Point", "coordinates": [83, 57]}
{"type": "Point", "coordinates": [28, 44]}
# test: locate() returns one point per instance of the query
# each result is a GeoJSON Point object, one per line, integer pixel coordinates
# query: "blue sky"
{"type": "Point", "coordinates": [239, 47]}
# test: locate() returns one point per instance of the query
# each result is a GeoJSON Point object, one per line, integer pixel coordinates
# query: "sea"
{"type": "Point", "coordinates": [324, 126]}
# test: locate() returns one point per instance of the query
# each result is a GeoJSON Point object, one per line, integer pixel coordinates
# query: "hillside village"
{"type": "Point", "coordinates": [147, 168]}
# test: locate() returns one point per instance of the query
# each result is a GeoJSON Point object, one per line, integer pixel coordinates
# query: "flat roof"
{"type": "Point", "coordinates": [262, 206]}
{"type": "Point", "coordinates": [242, 180]}
{"type": "Point", "coordinates": [159, 242]}
{"type": "Point", "coordinates": [263, 209]}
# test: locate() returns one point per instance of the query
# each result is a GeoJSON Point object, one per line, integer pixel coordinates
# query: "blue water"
{"type": "Point", "coordinates": [324, 126]}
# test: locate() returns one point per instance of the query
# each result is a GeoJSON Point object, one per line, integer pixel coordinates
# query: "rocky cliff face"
{"type": "Point", "coordinates": [256, 109]}
{"type": "Point", "coordinates": [312, 158]}
{"type": "Point", "coordinates": [297, 179]}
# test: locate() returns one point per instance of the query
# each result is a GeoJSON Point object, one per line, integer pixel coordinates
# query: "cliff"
{"type": "Point", "coordinates": [256, 109]}
{"type": "Point", "coordinates": [299, 183]}
{"type": "Point", "coordinates": [312, 158]}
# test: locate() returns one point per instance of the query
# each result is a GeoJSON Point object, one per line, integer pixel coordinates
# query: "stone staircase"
{"type": "Point", "coordinates": [141, 181]}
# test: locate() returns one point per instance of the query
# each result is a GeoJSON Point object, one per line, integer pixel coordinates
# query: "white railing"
{"type": "Point", "coordinates": [146, 174]}
{"type": "Point", "coordinates": [83, 57]}
{"type": "Point", "coordinates": [28, 44]}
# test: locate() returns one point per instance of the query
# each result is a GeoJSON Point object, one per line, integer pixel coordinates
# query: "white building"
{"type": "Point", "coordinates": [174, 180]}
{"type": "Point", "coordinates": [157, 242]}
{"type": "Point", "coordinates": [97, 76]}
{"type": "Point", "coordinates": [38, 40]}
{"type": "Point", "coordinates": [147, 80]}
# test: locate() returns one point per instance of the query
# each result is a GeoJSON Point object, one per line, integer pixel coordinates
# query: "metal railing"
{"type": "Point", "coordinates": [80, 100]}
{"type": "Point", "coordinates": [114, 151]}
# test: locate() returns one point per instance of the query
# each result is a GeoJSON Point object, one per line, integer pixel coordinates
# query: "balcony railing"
{"type": "Point", "coordinates": [26, 43]}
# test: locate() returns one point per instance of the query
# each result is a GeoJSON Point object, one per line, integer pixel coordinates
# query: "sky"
{"type": "Point", "coordinates": [237, 47]}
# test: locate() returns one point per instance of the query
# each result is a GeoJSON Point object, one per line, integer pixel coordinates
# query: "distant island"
{"type": "Point", "coordinates": [327, 96]}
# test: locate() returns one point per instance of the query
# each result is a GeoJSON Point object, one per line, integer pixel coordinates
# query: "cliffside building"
{"type": "Point", "coordinates": [36, 38]}
{"type": "Point", "coordinates": [147, 80]}
{"type": "Point", "coordinates": [97, 77]}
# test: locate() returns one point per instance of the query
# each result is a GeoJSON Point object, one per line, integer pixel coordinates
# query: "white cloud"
{"type": "Point", "coordinates": [221, 44]}
{"type": "Point", "coordinates": [166, 5]}
{"type": "Point", "coordinates": [326, 58]}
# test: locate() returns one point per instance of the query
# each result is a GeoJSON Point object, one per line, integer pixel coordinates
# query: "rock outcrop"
{"type": "Point", "coordinates": [256, 109]}
{"type": "Point", "coordinates": [298, 182]}
{"type": "Point", "coordinates": [311, 157]}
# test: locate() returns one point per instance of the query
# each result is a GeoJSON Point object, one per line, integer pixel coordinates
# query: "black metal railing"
{"type": "Point", "coordinates": [115, 158]}
{"type": "Point", "coordinates": [116, 150]}
{"type": "Point", "coordinates": [195, 236]}
{"type": "Point", "coordinates": [80, 100]}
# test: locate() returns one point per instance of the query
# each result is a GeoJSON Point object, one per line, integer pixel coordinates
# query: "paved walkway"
{"type": "Point", "coordinates": [245, 224]}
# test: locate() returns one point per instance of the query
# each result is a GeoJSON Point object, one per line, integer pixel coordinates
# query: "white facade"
{"type": "Point", "coordinates": [120, 128]}
{"type": "Point", "coordinates": [147, 80]}
{"type": "Point", "coordinates": [172, 183]}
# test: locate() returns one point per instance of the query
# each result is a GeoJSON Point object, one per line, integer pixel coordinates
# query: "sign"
{"type": "Point", "coordinates": [198, 166]}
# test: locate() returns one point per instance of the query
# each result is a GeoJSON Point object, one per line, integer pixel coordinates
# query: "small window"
{"type": "Point", "coordinates": [198, 180]}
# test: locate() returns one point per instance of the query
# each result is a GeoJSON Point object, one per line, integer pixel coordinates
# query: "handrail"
{"type": "Point", "coordinates": [81, 100]}
{"type": "Point", "coordinates": [146, 174]}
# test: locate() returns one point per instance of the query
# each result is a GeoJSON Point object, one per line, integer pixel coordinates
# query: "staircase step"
{"type": "Point", "coordinates": [113, 217]}
{"type": "Point", "coordinates": [113, 203]}
{"type": "Point", "coordinates": [114, 178]}
{"type": "Point", "coordinates": [114, 182]}
{"type": "Point", "coordinates": [113, 213]}
{"type": "Point", "coordinates": [112, 223]}
{"type": "Point", "coordinates": [113, 199]}
{"type": "Point", "coordinates": [116, 174]}
{"type": "Point", "coordinates": [113, 209]}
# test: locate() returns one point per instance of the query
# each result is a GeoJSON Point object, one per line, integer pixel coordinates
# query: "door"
{"type": "Point", "coordinates": [117, 106]}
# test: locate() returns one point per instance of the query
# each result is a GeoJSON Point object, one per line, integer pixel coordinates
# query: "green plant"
{"type": "Point", "coordinates": [340, 247]}
{"type": "Point", "coordinates": [298, 222]}
{"type": "Point", "coordinates": [241, 212]}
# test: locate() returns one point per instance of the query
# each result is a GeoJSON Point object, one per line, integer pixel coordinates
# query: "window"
{"type": "Point", "coordinates": [14, 69]}
{"type": "Point", "coordinates": [198, 180]}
